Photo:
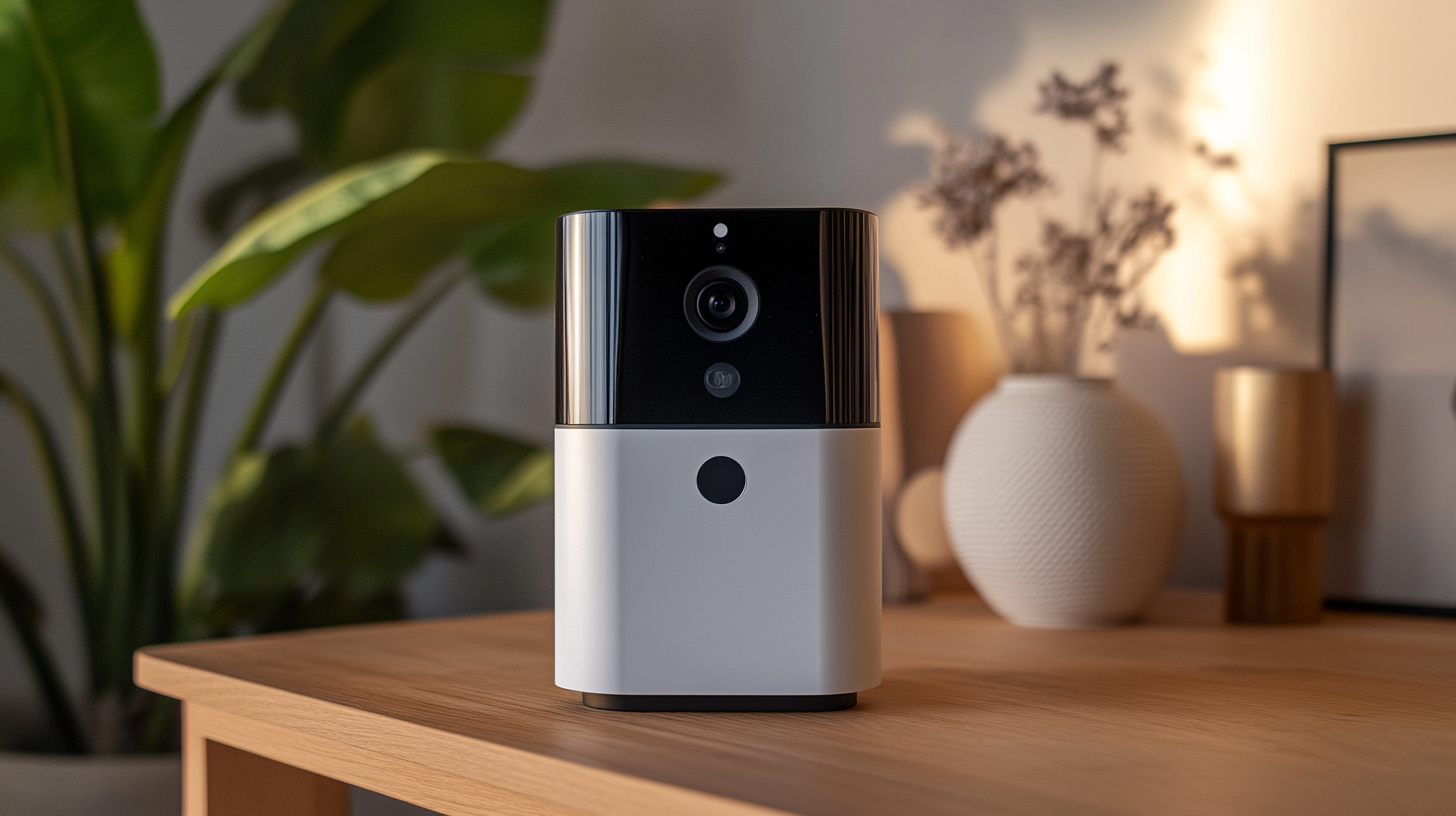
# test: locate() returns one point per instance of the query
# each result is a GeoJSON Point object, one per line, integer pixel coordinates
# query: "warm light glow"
{"type": "Point", "coordinates": [1224, 104]}
{"type": "Point", "coordinates": [1195, 302]}
{"type": "Point", "coordinates": [1268, 82]}
{"type": "Point", "coordinates": [1219, 215]}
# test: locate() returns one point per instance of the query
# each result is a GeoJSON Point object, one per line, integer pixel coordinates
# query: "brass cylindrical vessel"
{"type": "Point", "coordinates": [1274, 484]}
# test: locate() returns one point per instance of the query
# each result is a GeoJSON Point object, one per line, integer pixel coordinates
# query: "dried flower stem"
{"type": "Point", "coordinates": [1080, 283]}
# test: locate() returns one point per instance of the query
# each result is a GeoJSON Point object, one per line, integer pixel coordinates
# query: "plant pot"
{"type": "Point", "coordinates": [1064, 501]}
{"type": "Point", "coordinates": [37, 784]}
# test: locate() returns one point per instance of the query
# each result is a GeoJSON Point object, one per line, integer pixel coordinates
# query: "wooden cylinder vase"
{"type": "Point", "coordinates": [1273, 431]}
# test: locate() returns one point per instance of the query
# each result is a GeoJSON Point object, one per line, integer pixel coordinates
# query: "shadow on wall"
{"type": "Point", "coordinates": [1232, 292]}
{"type": "Point", "coordinates": [1381, 236]}
{"type": "Point", "coordinates": [1275, 318]}
{"type": "Point", "coordinates": [1279, 310]}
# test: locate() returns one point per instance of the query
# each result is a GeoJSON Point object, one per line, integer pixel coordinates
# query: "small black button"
{"type": "Point", "coordinates": [721, 480]}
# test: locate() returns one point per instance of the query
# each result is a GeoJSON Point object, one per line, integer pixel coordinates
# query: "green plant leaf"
{"type": "Point", "coordinates": [416, 102]}
{"type": "Point", "coordinates": [388, 263]}
{"type": "Point", "coordinates": [388, 249]}
{"type": "Point", "coordinates": [309, 33]}
{"type": "Point", "coordinates": [298, 531]}
{"type": "Point", "coordinates": [378, 525]}
{"type": "Point", "coordinates": [30, 194]}
{"type": "Point", "coordinates": [624, 184]}
{"type": "Point", "coordinates": [498, 474]}
{"type": "Point", "coordinates": [252, 190]}
{"type": "Point", "coordinates": [266, 534]}
{"type": "Point", "coordinates": [108, 73]}
{"type": "Point", "coordinates": [364, 78]}
{"type": "Point", "coordinates": [517, 262]}
{"type": "Point", "coordinates": [265, 246]}
{"type": "Point", "coordinates": [437, 73]}
{"type": "Point", "coordinates": [135, 262]}
{"type": "Point", "coordinates": [134, 266]}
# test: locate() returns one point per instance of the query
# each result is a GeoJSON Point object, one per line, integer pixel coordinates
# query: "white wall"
{"type": "Point", "coordinates": [799, 102]}
{"type": "Point", "coordinates": [1270, 82]}
{"type": "Point", "coordinates": [795, 101]}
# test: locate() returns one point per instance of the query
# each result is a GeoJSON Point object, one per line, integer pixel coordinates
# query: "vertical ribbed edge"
{"type": "Point", "coordinates": [849, 308]}
{"type": "Point", "coordinates": [1275, 571]}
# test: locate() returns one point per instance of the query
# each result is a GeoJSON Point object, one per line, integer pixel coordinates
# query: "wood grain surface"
{"type": "Point", "coordinates": [1182, 715]}
{"type": "Point", "coordinates": [244, 784]}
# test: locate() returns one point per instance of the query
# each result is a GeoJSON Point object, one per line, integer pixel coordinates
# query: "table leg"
{"type": "Point", "coordinates": [219, 780]}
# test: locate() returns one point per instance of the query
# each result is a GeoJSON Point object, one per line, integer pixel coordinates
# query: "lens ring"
{"type": "Point", "coordinates": [734, 317]}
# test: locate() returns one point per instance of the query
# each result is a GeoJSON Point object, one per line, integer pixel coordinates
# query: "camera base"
{"type": "Point", "coordinates": [720, 702]}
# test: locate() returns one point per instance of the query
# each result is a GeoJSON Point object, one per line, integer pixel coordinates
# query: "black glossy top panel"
{"type": "Point", "coordinates": [661, 361]}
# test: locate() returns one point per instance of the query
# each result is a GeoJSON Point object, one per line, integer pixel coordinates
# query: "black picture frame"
{"type": "Point", "coordinates": [1336, 150]}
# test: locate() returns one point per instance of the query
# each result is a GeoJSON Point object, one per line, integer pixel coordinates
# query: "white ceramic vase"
{"type": "Point", "coordinates": [69, 785]}
{"type": "Point", "coordinates": [1064, 501]}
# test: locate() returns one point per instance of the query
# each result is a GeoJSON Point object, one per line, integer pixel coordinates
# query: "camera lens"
{"type": "Point", "coordinates": [721, 304]}
{"type": "Point", "coordinates": [718, 305]}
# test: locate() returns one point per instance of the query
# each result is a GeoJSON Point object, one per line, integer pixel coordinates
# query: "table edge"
{"type": "Point", "coordinates": [563, 782]}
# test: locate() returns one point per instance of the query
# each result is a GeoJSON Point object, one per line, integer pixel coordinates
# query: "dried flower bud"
{"type": "Point", "coordinates": [1080, 286]}
{"type": "Point", "coordinates": [1099, 102]}
{"type": "Point", "coordinates": [970, 177]}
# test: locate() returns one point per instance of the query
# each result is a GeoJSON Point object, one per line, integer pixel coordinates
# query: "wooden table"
{"type": "Point", "coordinates": [1179, 716]}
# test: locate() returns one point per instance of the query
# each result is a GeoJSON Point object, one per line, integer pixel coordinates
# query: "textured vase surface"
{"type": "Point", "coordinates": [1063, 501]}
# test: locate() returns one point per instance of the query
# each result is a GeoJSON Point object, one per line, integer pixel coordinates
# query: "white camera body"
{"type": "Point", "coordinates": [717, 459]}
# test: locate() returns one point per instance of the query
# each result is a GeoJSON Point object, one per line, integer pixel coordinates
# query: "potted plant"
{"type": "Point", "coordinates": [1062, 494]}
{"type": "Point", "coordinates": [396, 104]}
